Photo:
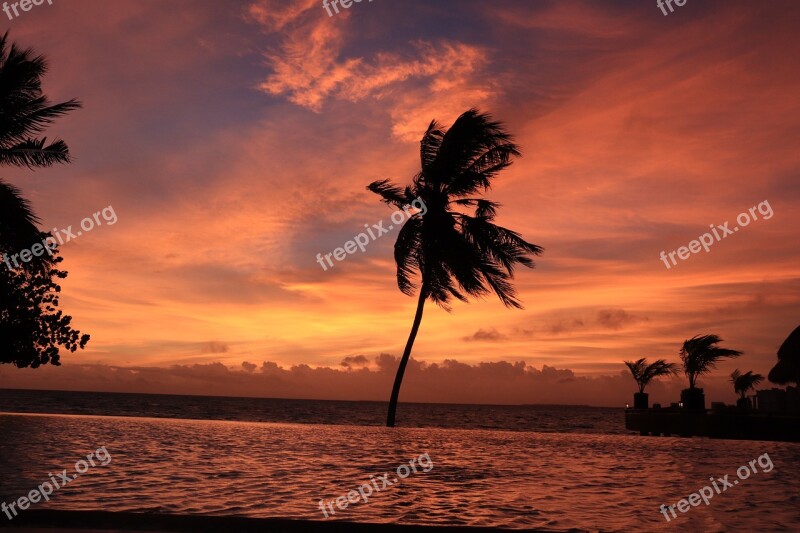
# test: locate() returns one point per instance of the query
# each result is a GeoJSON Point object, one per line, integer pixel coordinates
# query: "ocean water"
{"type": "Point", "coordinates": [543, 418]}
{"type": "Point", "coordinates": [488, 477]}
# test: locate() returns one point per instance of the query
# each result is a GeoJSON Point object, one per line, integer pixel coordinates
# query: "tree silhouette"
{"type": "Point", "coordinates": [454, 254]}
{"type": "Point", "coordinates": [31, 326]}
{"type": "Point", "coordinates": [644, 373]}
{"type": "Point", "coordinates": [744, 382]}
{"type": "Point", "coordinates": [787, 369]}
{"type": "Point", "coordinates": [700, 355]}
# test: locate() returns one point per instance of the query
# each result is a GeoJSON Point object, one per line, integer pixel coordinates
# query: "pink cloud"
{"type": "Point", "coordinates": [429, 79]}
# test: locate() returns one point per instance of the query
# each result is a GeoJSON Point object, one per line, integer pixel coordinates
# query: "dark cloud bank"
{"type": "Point", "coordinates": [359, 378]}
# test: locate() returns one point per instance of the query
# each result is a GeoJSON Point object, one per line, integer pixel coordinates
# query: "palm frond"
{"type": "Point", "coordinates": [478, 176]}
{"type": "Point", "coordinates": [500, 244]}
{"type": "Point", "coordinates": [644, 373]}
{"type": "Point", "coordinates": [468, 141]}
{"type": "Point", "coordinates": [660, 368]}
{"type": "Point", "coordinates": [390, 193]}
{"type": "Point", "coordinates": [18, 222]}
{"type": "Point", "coordinates": [637, 367]}
{"type": "Point", "coordinates": [483, 208]}
{"type": "Point", "coordinates": [407, 251]}
{"type": "Point", "coordinates": [430, 144]}
{"type": "Point", "coordinates": [35, 153]}
{"type": "Point", "coordinates": [30, 118]}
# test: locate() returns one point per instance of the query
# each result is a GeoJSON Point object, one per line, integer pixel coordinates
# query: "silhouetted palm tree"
{"type": "Point", "coordinates": [25, 112]}
{"type": "Point", "coordinates": [744, 382]}
{"type": "Point", "coordinates": [644, 373]}
{"type": "Point", "coordinates": [454, 254]}
{"type": "Point", "coordinates": [700, 355]}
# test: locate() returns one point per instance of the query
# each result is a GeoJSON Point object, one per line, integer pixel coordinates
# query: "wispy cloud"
{"type": "Point", "coordinates": [311, 65]}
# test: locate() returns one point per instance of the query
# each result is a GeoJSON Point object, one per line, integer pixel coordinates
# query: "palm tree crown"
{"type": "Point", "coordinates": [700, 355]}
{"type": "Point", "coordinates": [456, 254]}
{"type": "Point", "coordinates": [644, 373]}
{"type": "Point", "coordinates": [744, 382]}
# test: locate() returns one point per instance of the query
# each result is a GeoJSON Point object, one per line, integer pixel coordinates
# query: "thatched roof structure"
{"type": "Point", "coordinates": [788, 368]}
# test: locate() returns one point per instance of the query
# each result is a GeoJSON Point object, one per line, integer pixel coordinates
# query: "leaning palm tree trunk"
{"type": "Point", "coordinates": [398, 380]}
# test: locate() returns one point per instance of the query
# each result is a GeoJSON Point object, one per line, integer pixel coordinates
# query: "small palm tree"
{"type": "Point", "coordinates": [452, 253]}
{"type": "Point", "coordinates": [644, 373]}
{"type": "Point", "coordinates": [745, 382]}
{"type": "Point", "coordinates": [700, 355]}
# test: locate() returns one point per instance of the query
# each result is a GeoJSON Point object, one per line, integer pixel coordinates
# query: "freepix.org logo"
{"type": "Point", "coordinates": [58, 237]}
{"type": "Point", "coordinates": [24, 5]}
{"type": "Point", "coordinates": [333, 3]}
{"type": "Point", "coordinates": [704, 241]}
{"type": "Point", "coordinates": [43, 491]}
{"type": "Point", "coordinates": [361, 240]}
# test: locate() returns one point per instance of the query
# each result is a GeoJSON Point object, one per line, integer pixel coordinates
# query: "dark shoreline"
{"type": "Point", "coordinates": [79, 521]}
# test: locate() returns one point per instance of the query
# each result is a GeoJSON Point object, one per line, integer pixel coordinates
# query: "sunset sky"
{"type": "Point", "coordinates": [235, 140]}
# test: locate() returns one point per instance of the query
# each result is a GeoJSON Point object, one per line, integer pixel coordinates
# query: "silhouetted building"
{"type": "Point", "coordinates": [778, 400]}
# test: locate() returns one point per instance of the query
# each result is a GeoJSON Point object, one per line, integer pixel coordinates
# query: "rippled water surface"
{"type": "Point", "coordinates": [479, 477]}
